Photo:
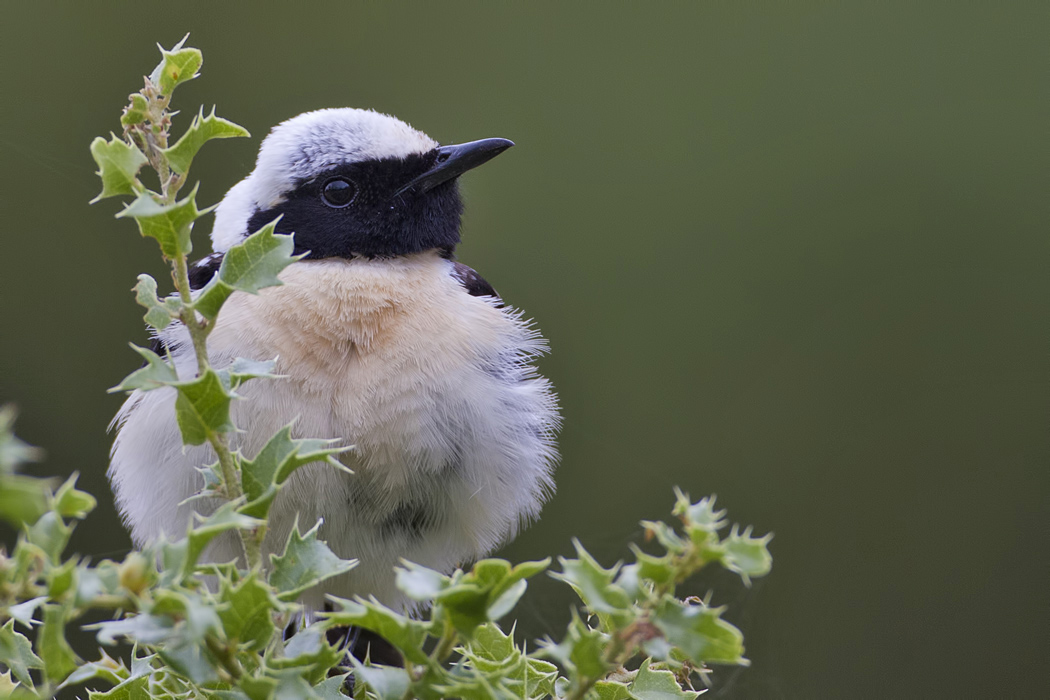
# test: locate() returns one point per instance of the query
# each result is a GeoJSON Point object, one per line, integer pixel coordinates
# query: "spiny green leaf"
{"type": "Point", "coordinates": [142, 628]}
{"type": "Point", "coordinates": [331, 688]}
{"type": "Point", "coordinates": [701, 514]}
{"type": "Point", "coordinates": [249, 266]}
{"type": "Point", "coordinates": [159, 313]}
{"type": "Point", "coordinates": [52, 647]}
{"type": "Point", "coordinates": [156, 373]}
{"type": "Point", "coordinates": [419, 582]}
{"type": "Point", "coordinates": [310, 653]}
{"type": "Point", "coordinates": [262, 477]}
{"type": "Point", "coordinates": [169, 224]}
{"type": "Point", "coordinates": [201, 130]}
{"type": "Point", "coordinates": [202, 408]}
{"type": "Point", "coordinates": [23, 612]}
{"type": "Point", "coordinates": [660, 570]}
{"type": "Point", "coordinates": [136, 112]}
{"type": "Point", "coordinates": [106, 668]}
{"type": "Point", "coordinates": [403, 632]}
{"type": "Point", "coordinates": [582, 650]}
{"type": "Point", "coordinates": [118, 166]}
{"type": "Point", "coordinates": [13, 452]}
{"type": "Point", "coordinates": [242, 369]}
{"type": "Point", "coordinates": [247, 612]}
{"type": "Point", "coordinates": [23, 499]}
{"type": "Point", "coordinates": [611, 690]}
{"type": "Point", "coordinates": [190, 660]}
{"type": "Point", "coordinates": [70, 502]}
{"type": "Point", "coordinates": [306, 562]}
{"type": "Point", "coordinates": [176, 66]}
{"type": "Point", "coordinates": [17, 654]}
{"type": "Point", "coordinates": [385, 682]}
{"type": "Point", "coordinates": [51, 535]}
{"type": "Point", "coordinates": [650, 684]}
{"type": "Point", "coordinates": [224, 519]}
{"type": "Point", "coordinates": [746, 555]}
{"type": "Point", "coordinates": [135, 688]}
{"type": "Point", "coordinates": [700, 633]}
{"type": "Point", "coordinates": [594, 584]}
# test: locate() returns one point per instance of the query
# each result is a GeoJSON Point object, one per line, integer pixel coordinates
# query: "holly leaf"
{"type": "Point", "coordinates": [50, 534]}
{"type": "Point", "coordinates": [594, 584]}
{"type": "Point", "coordinates": [70, 502]}
{"type": "Point", "coordinates": [306, 562]}
{"type": "Point", "coordinates": [650, 684]}
{"type": "Point", "coordinates": [13, 452]}
{"type": "Point", "coordinates": [169, 224]}
{"type": "Point", "coordinates": [262, 477]}
{"type": "Point", "coordinates": [746, 555]}
{"type": "Point", "coordinates": [224, 519]}
{"type": "Point", "coordinates": [17, 654]}
{"type": "Point", "coordinates": [202, 129]}
{"type": "Point", "coordinates": [159, 313]}
{"type": "Point", "coordinates": [23, 499]}
{"type": "Point", "coordinates": [59, 658]}
{"type": "Point", "coordinates": [118, 166]}
{"type": "Point", "coordinates": [155, 374]}
{"type": "Point", "coordinates": [700, 632]}
{"type": "Point", "coordinates": [249, 266]}
{"type": "Point", "coordinates": [403, 632]}
{"type": "Point", "coordinates": [202, 407]}
{"type": "Point", "coordinates": [385, 682]}
{"type": "Point", "coordinates": [247, 612]}
{"type": "Point", "coordinates": [176, 66]}
{"type": "Point", "coordinates": [136, 112]}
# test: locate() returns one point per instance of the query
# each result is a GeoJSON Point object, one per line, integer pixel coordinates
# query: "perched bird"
{"type": "Point", "coordinates": [385, 342]}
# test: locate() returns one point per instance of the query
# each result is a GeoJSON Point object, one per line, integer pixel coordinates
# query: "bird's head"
{"type": "Point", "coordinates": [353, 182]}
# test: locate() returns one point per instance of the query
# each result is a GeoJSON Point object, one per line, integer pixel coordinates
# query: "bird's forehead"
{"type": "Point", "coordinates": [311, 143]}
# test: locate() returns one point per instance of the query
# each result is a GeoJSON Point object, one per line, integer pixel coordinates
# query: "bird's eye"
{"type": "Point", "coordinates": [338, 192]}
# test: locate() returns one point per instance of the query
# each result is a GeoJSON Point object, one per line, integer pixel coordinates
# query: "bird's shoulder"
{"type": "Point", "coordinates": [472, 282]}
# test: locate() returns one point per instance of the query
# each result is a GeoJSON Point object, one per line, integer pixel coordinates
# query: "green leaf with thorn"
{"type": "Point", "coordinates": [169, 224]}
{"type": "Point", "coordinates": [118, 166]}
{"type": "Point", "coordinates": [155, 374]}
{"type": "Point", "coordinates": [202, 130]}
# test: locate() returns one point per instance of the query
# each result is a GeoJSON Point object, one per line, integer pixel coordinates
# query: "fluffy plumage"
{"type": "Point", "coordinates": [409, 357]}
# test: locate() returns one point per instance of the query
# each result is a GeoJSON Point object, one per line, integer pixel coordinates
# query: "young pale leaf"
{"type": "Point", "coordinates": [13, 452]}
{"type": "Point", "coordinates": [385, 682]}
{"type": "Point", "coordinates": [135, 688]}
{"type": "Point", "coordinates": [23, 499]}
{"type": "Point", "coordinates": [247, 267]}
{"type": "Point", "coordinates": [202, 408]}
{"type": "Point", "coordinates": [224, 519]}
{"type": "Point", "coordinates": [310, 653]}
{"type": "Point", "coordinates": [158, 313]}
{"type": "Point", "coordinates": [23, 612]}
{"type": "Point", "coordinates": [700, 632]}
{"type": "Point", "coordinates": [420, 583]}
{"type": "Point", "coordinates": [106, 669]}
{"type": "Point", "coordinates": [594, 584]}
{"type": "Point", "coordinates": [651, 684]}
{"type": "Point", "coordinates": [169, 224]}
{"type": "Point", "coordinates": [70, 502]}
{"type": "Point", "coordinates": [746, 555]}
{"type": "Point", "coordinates": [17, 654]}
{"type": "Point", "coordinates": [52, 647]}
{"type": "Point", "coordinates": [201, 130]}
{"type": "Point", "coordinates": [701, 514]}
{"type": "Point", "coordinates": [118, 166]}
{"type": "Point", "coordinates": [611, 690]}
{"type": "Point", "coordinates": [262, 477]}
{"type": "Point", "coordinates": [50, 534]}
{"type": "Point", "coordinates": [143, 628]}
{"type": "Point", "coordinates": [136, 112]}
{"type": "Point", "coordinates": [247, 612]}
{"type": "Point", "coordinates": [176, 67]}
{"type": "Point", "coordinates": [306, 562]}
{"type": "Point", "coordinates": [155, 374]}
{"type": "Point", "coordinates": [403, 632]}
{"type": "Point", "coordinates": [242, 369]}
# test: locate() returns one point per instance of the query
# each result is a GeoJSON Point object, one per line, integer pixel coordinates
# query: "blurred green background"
{"type": "Point", "coordinates": [790, 253]}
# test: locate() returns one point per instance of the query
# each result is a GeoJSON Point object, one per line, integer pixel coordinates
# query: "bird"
{"type": "Point", "coordinates": [384, 342]}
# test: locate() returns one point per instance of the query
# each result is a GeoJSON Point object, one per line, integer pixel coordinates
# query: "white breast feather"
{"type": "Point", "coordinates": [453, 428]}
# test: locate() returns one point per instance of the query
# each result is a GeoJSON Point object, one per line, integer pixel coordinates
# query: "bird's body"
{"type": "Point", "coordinates": [405, 354]}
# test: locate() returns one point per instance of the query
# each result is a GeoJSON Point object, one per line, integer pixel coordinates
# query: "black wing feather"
{"type": "Point", "coordinates": [474, 283]}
